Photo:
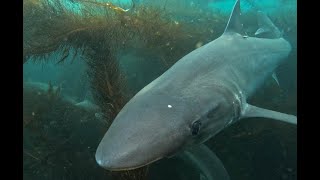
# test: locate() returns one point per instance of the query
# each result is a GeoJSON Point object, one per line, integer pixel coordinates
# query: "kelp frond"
{"type": "Point", "coordinates": [50, 27]}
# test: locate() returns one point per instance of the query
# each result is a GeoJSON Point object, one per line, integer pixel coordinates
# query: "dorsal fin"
{"type": "Point", "coordinates": [234, 23]}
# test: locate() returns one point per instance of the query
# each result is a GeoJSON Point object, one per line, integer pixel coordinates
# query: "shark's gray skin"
{"type": "Point", "coordinates": [200, 95]}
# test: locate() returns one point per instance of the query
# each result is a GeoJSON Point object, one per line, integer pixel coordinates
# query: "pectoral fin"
{"type": "Point", "coordinates": [261, 31]}
{"type": "Point", "coordinates": [206, 161]}
{"type": "Point", "coordinates": [253, 111]}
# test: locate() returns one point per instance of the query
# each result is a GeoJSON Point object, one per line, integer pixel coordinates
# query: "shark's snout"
{"type": "Point", "coordinates": [143, 133]}
{"type": "Point", "coordinates": [128, 153]}
{"type": "Point", "coordinates": [117, 161]}
{"type": "Point", "coordinates": [116, 152]}
{"type": "Point", "coordinates": [129, 148]}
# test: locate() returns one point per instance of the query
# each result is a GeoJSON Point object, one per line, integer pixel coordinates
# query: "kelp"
{"type": "Point", "coordinates": [59, 138]}
{"type": "Point", "coordinates": [50, 27]}
{"type": "Point", "coordinates": [107, 83]}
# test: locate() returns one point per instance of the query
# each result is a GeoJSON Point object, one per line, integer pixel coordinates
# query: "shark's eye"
{"type": "Point", "coordinates": [195, 128]}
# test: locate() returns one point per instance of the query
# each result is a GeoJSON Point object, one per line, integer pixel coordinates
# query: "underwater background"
{"type": "Point", "coordinates": [84, 59]}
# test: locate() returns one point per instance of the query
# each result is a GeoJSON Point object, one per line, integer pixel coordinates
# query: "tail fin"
{"type": "Point", "coordinates": [266, 28]}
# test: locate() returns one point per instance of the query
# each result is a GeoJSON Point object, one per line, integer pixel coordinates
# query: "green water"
{"type": "Point", "coordinates": [61, 136]}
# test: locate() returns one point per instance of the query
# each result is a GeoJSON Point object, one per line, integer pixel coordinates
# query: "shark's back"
{"type": "Point", "coordinates": [245, 62]}
{"type": "Point", "coordinates": [232, 60]}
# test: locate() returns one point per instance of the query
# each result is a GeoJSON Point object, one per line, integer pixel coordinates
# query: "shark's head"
{"type": "Point", "coordinates": [156, 125]}
{"type": "Point", "coordinates": [147, 129]}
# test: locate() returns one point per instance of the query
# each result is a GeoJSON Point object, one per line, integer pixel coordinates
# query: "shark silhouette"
{"type": "Point", "coordinates": [200, 95]}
